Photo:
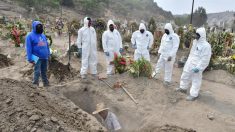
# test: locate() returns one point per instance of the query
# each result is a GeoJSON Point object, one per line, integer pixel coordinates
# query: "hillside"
{"type": "Point", "coordinates": [221, 18]}
{"type": "Point", "coordinates": [114, 9]}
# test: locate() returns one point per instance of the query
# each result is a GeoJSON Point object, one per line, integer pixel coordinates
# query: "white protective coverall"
{"type": "Point", "coordinates": [87, 41]}
{"type": "Point", "coordinates": [142, 41]}
{"type": "Point", "coordinates": [112, 42]}
{"type": "Point", "coordinates": [199, 58]}
{"type": "Point", "coordinates": [168, 48]}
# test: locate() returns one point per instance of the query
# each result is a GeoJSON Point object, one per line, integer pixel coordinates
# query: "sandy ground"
{"type": "Point", "coordinates": [159, 108]}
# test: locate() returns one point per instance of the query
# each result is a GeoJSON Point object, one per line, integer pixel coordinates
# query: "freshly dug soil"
{"type": "Point", "coordinates": [60, 71]}
{"type": "Point", "coordinates": [23, 108]}
{"type": "Point", "coordinates": [4, 61]}
{"type": "Point", "coordinates": [168, 128]}
{"type": "Point", "coordinates": [57, 69]}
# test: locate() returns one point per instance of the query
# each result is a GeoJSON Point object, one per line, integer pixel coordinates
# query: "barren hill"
{"type": "Point", "coordinates": [114, 9]}
{"type": "Point", "coordinates": [221, 19]}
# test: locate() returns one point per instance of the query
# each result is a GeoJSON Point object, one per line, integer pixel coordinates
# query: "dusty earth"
{"type": "Point", "coordinates": [24, 108]}
{"type": "Point", "coordinates": [67, 105]}
{"type": "Point", "coordinates": [5, 62]}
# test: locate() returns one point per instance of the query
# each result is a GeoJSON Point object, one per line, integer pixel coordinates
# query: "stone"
{"type": "Point", "coordinates": [28, 128]}
{"type": "Point", "coordinates": [43, 95]}
{"type": "Point", "coordinates": [76, 108]}
{"type": "Point", "coordinates": [53, 119]}
{"type": "Point", "coordinates": [31, 100]}
{"type": "Point", "coordinates": [58, 128]}
{"type": "Point", "coordinates": [31, 95]}
{"type": "Point", "coordinates": [85, 115]}
{"type": "Point", "coordinates": [211, 116]}
{"type": "Point", "coordinates": [80, 113]}
{"type": "Point", "coordinates": [47, 127]}
{"type": "Point", "coordinates": [87, 119]}
{"type": "Point", "coordinates": [29, 113]}
{"type": "Point", "coordinates": [47, 120]}
{"type": "Point", "coordinates": [34, 130]}
{"type": "Point", "coordinates": [11, 113]}
{"type": "Point", "coordinates": [19, 109]}
{"type": "Point", "coordinates": [120, 99]}
{"type": "Point", "coordinates": [9, 101]}
{"type": "Point", "coordinates": [34, 118]}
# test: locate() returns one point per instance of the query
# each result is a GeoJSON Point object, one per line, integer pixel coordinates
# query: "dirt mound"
{"type": "Point", "coordinates": [58, 70]}
{"type": "Point", "coordinates": [168, 128]}
{"type": "Point", "coordinates": [27, 73]}
{"type": "Point", "coordinates": [36, 110]}
{"type": "Point", "coordinates": [220, 76]}
{"type": "Point", "coordinates": [4, 61]}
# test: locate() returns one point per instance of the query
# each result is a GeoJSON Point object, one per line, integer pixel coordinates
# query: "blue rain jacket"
{"type": "Point", "coordinates": [36, 44]}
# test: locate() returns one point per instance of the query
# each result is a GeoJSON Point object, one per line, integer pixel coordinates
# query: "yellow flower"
{"type": "Point", "coordinates": [132, 70]}
{"type": "Point", "coordinates": [233, 57]}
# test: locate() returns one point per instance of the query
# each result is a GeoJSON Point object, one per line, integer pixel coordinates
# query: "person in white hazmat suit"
{"type": "Point", "coordinates": [167, 53]}
{"type": "Point", "coordinates": [86, 43]}
{"type": "Point", "coordinates": [197, 62]}
{"type": "Point", "coordinates": [112, 43]}
{"type": "Point", "coordinates": [142, 41]}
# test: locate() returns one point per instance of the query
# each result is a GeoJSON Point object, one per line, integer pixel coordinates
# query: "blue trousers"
{"type": "Point", "coordinates": [40, 68]}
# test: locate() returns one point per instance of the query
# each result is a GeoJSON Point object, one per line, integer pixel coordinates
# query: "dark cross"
{"type": "Point", "coordinates": [191, 19]}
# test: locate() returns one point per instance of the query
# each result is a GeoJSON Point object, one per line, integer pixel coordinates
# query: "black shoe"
{"type": "Point", "coordinates": [46, 85]}
{"type": "Point", "coordinates": [181, 90]}
{"type": "Point", "coordinates": [166, 83]}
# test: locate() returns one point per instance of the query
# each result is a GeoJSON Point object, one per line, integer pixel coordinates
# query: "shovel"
{"type": "Point", "coordinates": [69, 50]}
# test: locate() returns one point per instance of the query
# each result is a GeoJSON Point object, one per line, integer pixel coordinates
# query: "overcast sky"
{"type": "Point", "coordinates": [184, 6]}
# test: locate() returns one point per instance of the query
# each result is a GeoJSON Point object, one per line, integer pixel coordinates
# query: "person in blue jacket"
{"type": "Point", "coordinates": [38, 52]}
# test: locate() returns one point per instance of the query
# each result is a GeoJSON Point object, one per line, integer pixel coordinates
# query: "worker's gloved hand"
{"type": "Point", "coordinates": [158, 55]}
{"type": "Point", "coordinates": [148, 48]}
{"type": "Point", "coordinates": [169, 58]}
{"type": "Point", "coordinates": [79, 51]}
{"type": "Point", "coordinates": [195, 70]}
{"type": "Point", "coordinates": [121, 50]}
{"type": "Point", "coordinates": [106, 53]}
{"type": "Point", "coordinates": [134, 46]}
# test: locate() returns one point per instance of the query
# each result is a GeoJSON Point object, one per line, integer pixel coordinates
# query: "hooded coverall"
{"type": "Point", "coordinates": [87, 41]}
{"type": "Point", "coordinates": [199, 58]}
{"type": "Point", "coordinates": [142, 42]}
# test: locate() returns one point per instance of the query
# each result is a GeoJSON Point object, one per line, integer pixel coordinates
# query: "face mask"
{"type": "Point", "coordinates": [39, 29]}
{"type": "Point", "coordinates": [197, 36]}
{"type": "Point", "coordinates": [142, 30]}
{"type": "Point", "coordinates": [89, 22]}
{"type": "Point", "coordinates": [167, 31]}
{"type": "Point", "coordinates": [111, 27]}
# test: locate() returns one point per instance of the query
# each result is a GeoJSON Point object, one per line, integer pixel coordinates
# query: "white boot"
{"type": "Point", "coordinates": [155, 75]}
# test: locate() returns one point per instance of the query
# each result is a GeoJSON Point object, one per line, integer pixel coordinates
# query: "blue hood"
{"type": "Point", "coordinates": [34, 24]}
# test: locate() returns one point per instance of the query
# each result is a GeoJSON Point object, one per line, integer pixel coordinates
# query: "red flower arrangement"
{"type": "Point", "coordinates": [16, 36]}
{"type": "Point", "coordinates": [119, 63]}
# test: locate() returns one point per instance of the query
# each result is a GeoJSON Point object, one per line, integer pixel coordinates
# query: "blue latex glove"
{"type": "Point", "coordinates": [195, 70]}
{"type": "Point", "coordinates": [80, 51]}
{"type": "Point", "coordinates": [121, 50]}
{"type": "Point", "coordinates": [134, 46]}
{"type": "Point", "coordinates": [169, 58]}
{"type": "Point", "coordinates": [106, 53]}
